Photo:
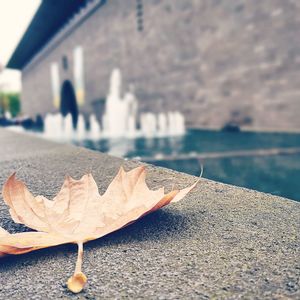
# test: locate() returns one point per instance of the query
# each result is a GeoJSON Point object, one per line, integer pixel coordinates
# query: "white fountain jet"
{"type": "Point", "coordinates": [162, 124]}
{"type": "Point", "coordinates": [53, 126]}
{"type": "Point", "coordinates": [68, 131]}
{"type": "Point", "coordinates": [115, 110]}
{"type": "Point", "coordinates": [119, 119]}
{"type": "Point", "coordinates": [148, 124]}
{"type": "Point", "coordinates": [81, 131]}
{"type": "Point", "coordinates": [131, 110]}
{"type": "Point", "coordinates": [180, 123]}
{"type": "Point", "coordinates": [176, 124]}
{"type": "Point", "coordinates": [95, 128]}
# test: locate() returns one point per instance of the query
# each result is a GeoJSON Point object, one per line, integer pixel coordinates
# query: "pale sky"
{"type": "Point", "coordinates": [15, 16]}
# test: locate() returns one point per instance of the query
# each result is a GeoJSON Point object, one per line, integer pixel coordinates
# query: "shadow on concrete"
{"type": "Point", "coordinates": [157, 226]}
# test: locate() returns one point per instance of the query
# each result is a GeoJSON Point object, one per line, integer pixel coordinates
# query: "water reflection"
{"type": "Point", "coordinates": [276, 174]}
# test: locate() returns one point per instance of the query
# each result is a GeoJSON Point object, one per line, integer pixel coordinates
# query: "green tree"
{"type": "Point", "coordinates": [10, 102]}
{"type": "Point", "coordinates": [14, 104]}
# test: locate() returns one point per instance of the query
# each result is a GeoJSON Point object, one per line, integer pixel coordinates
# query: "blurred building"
{"type": "Point", "coordinates": [216, 61]}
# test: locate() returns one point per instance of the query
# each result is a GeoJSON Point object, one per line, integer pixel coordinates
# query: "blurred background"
{"type": "Point", "coordinates": [176, 83]}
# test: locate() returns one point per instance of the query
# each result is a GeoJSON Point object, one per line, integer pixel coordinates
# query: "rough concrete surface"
{"type": "Point", "coordinates": [220, 242]}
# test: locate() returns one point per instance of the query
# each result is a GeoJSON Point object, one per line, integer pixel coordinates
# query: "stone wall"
{"type": "Point", "coordinates": [214, 60]}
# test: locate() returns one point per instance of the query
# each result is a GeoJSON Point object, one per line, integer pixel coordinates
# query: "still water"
{"type": "Point", "coordinates": [275, 174]}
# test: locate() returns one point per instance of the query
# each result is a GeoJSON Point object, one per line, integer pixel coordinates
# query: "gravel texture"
{"type": "Point", "coordinates": [220, 242]}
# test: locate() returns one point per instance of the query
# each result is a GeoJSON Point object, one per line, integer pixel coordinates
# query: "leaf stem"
{"type": "Point", "coordinates": [79, 258]}
{"type": "Point", "coordinates": [77, 282]}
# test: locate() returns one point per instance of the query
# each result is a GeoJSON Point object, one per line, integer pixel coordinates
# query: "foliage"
{"type": "Point", "coordinates": [10, 102]}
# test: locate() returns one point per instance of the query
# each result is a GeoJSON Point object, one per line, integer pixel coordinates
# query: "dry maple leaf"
{"type": "Point", "coordinates": [79, 213]}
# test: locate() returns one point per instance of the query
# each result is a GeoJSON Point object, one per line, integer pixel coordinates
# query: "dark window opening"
{"type": "Point", "coordinates": [65, 62]}
{"type": "Point", "coordinates": [68, 103]}
{"type": "Point", "coordinates": [140, 15]}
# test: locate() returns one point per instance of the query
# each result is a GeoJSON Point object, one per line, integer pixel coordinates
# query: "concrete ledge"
{"type": "Point", "coordinates": [221, 242]}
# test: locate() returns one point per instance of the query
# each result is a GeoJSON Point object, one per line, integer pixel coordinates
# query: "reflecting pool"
{"type": "Point", "coordinates": [276, 174]}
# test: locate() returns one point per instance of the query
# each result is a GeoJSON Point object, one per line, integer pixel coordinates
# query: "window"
{"type": "Point", "coordinates": [140, 15]}
{"type": "Point", "coordinates": [65, 62]}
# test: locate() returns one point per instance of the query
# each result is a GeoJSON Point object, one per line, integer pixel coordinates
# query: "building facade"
{"type": "Point", "coordinates": [216, 61]}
